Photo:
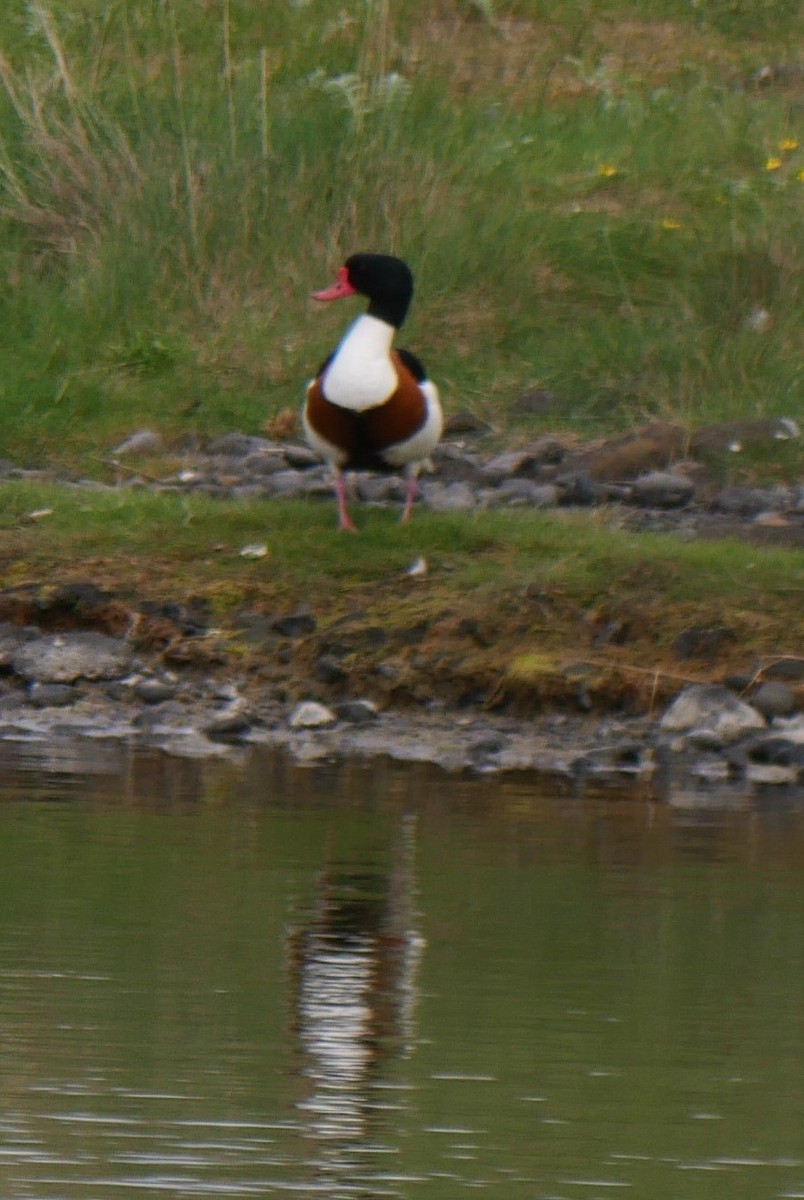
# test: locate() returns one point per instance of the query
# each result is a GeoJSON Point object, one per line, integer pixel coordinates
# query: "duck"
{"type": "Point", "coordinates": [371, 406]}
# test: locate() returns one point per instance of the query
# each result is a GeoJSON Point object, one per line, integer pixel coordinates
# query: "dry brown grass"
{"type": "Point", "coordinates": [521, 60]}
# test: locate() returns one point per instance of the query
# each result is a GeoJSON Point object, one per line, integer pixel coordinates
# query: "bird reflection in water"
{"type": "Point", "coordinates": [353, 967]}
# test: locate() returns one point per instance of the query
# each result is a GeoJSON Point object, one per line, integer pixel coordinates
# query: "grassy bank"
{"type": "Point", "coordinates": [512, 607]}
{"type": "Point", "coordinates": [602, 199]}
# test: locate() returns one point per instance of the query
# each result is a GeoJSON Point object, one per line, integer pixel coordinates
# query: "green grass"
{"type": "Point", "coordinates": [566, 553]}
{"type": "Point", "coordinates": [582, 189]}
{"type": "Point", "coordinates": [510, 605]}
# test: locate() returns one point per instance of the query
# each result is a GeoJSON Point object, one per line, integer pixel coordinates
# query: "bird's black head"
{"type": "Point", "coordinates": [387, 281]}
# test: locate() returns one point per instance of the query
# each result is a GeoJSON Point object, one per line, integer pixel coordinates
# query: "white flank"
{"type": "Point", "coordinates": [361, 375]}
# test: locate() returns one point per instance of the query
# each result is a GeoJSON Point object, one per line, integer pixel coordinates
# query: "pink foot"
{"type": "Point", "coordinates": [344, 520]}
{"type": "Point", "coordinates": [410, 496]}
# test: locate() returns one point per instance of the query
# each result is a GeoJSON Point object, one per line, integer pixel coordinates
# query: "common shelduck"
{"type": "Point", "coordinates": [372, 407]}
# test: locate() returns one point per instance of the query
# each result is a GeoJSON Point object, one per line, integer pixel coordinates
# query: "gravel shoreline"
{"type": "Point", "coordinates": [86, 683]}
{"type": "Point", "coordinates": [706, 745]}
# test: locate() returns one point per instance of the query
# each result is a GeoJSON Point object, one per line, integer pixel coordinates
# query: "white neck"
{"type": "Point", "coordinates": [361, 374]}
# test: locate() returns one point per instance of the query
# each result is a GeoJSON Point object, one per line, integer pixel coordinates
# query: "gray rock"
{"type": "Point", "coordinates": [463, 422]}
{"type": "Point", "coordinates": [743, 501]}
{"type": "Point", "coordinates": [330, 669]}
{"type": "Point", "coordinates": [11, 638]}
{"type": "Point", "coordinates": [770, 773]}
{"type": "Point", "coordinates": [357, 712]}
{"type": "Point", "coordinates": [507, 465]}
{"type": "Point", "coordinates": [63, 658]}
{"type": "Point", "coordinates": [777, 749]}
{"type": "Point", "coordinates": [775, 699]}
{"type": "Point", "coordinates": [268, 463]}
{"type": "Point", "coordinates": [295, 625]}
{"type": "Point", "coordinates": [287, 483]}
{"type": "Point", "coordinates": [710, 769]}
{"type": "Point", "coordinates": [702, 641]}
{"type": "Point", "coordinates": [52, 695]}
{"type": "Point", "coordinates": [379, 489]}
{"type": "Point", "coordinates": [662, 489]}
{"type": "Point", "coordinates": [578, 488]}
{"type": "Point", "coordinates": [625, 758]}
{"type": "Point", "coordinates": [240, 445]}
{"type": "Point", "coordinates": [301, 456]}
{"type": "Point", "coordinates": [713, 711]}
{"type": "Point", "coordinates": [790, 668]}
{"type": "Point", "coordinates": [154, 691]}
{"type": "Point", "coordinates": [231, 723]}
{"type": "Point", "coordinates": [547, 449]}
{"type": "Point", "coordinates": [452, 462]}
{"type": "Point", "coordinates": [455, 497]}
{"type": "Point", "coordinates": [144, 441]}
{"type": "Point", "coordinates": [309, 714]}
{"type": "Point", "coordinates": [540, 495]}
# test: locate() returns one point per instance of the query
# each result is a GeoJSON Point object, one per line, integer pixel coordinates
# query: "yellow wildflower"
{"type": "Point", "coordinates": [607, 170]}
{"type": "Point", "coordinates": [788, 144]}
{"type": "Point", "coordinates": [800, 175]}
{"type": "Point", "coordinates": [773, 164]}
{"type": "Point", "coordinates": [670, 223]}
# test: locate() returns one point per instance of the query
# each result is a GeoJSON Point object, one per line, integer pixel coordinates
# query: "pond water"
{"type": "Point", "coordinates": [255, 980]}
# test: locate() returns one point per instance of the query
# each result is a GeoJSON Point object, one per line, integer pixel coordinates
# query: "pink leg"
{"type": "Point", "coordinates": [344, 520]}
{"type": "Point", "coordinates": [410, 496]}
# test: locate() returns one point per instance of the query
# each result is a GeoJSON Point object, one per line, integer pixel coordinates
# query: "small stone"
{"type": "Point", "coordinates": [154, 691]}
{"type": "Point", "coordinates": [770, 773]}
{"type": "Point", "coordinates": [144, 441]}
{"type": "Point", "coordinates": [713, 770]}
{"type": "Point", "coordinates": [329, 669]}
{"type": "Point", "coordinates": [539, 495]}
{"type": "Point", "coordinates": [265, 463]}
{"type": "Point", "coordinates": [579, 489]}
{"type": "Point", "coordinates": [547, 449]}
{"type": "Point", "coordinates": [357, 712]}
{"type": "Point", "coordinates": [702, 641]}
{"type": "Point", "coordinates": [288, 483]}
{"type": "Point", "coordinates": [463, 422]}
{"type": "Point", "coordinates": [775, 699]}
{"type": "Point", "coordinates": [309, 714]}
{"type": "Point", "coordinates": [11, 638]}
{"type": "Point", "coordinates": [742, 501]}
{"type": "Point", "coordinates": [778, 749]}
{"type": "Point", "coordinates": [63, 658]}
{"type": "Point", "coordinates": [790, 668]}
{"type": "Point", "coordinates": [417, 569]}
{"type": "Point", "coordinates": [300, 456]}
{"type": "Point", "coordinates": [254, 550]}
{"type": "Point", "coordinates": [52, 695]}
{"type": "Point", "coordinates": [454, 464]}
{"type": "Point", "coordinates": [662, 489]}
{"type": "Point", "coordinates": [506, 466]}
{"type": "Point", "coordinates": [379, 489]}
{"type": "Point", "coordinates": [759, 320]}
{"type": "Point", "coordinates": [295, 625]}
{"type": "Point", "coordinates": [241, 445]}
{"type": "Point", "coordinates": [711, 710]}
{"type": "Point", "coordinates": [455, 497]}
{"type": "Point", "coordinates": [786, 429]}
{"type": "Point", "coordinates": [230, 723]}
